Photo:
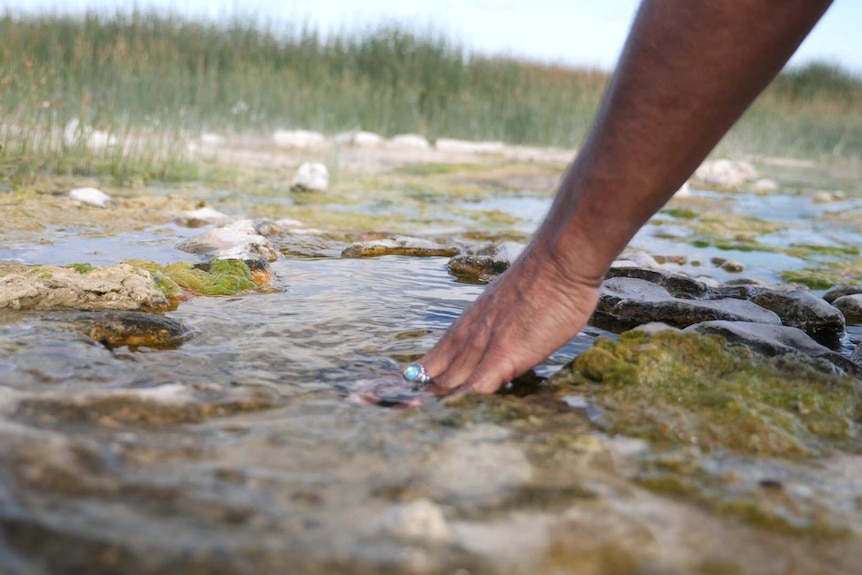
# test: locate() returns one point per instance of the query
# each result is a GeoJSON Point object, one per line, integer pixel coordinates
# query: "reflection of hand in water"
{"type": "Point", "coordinates": [390, 391]}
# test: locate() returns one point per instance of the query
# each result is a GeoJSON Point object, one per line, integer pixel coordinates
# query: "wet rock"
{"type": "Point", "coordinates": [841, 291]}
{"type": "Point", "coordinates": [91, 197]}
{"type": "Point", "coordinates": [422, 520]}
{"type": "Point", "coordinates": [216, 277]}
{"type": "Point", "coordinates": [117, 287]}
{"type": "Point", "coordinates": [697, 391]}
{"type": "Point", "coordinates": [484, 266]}
{"type": "Point", "coordinates": [298, 139]}
{"type": "Point", "coordinates": [400, 246]}
{"type": "Point", "coordinates": [729, 266]}
{"type": "Point", "coordinates": [310, 177]}
{"type": "Point", "coordinates": [725, 174]}
{"type": "Point", "coordinates": [410, 141]}
{"type": "Point", "coordinates": [774, 340]}
{"type": "Point", "coordinates": [828, 196]}
{"type": "Point", "coordinates": [677, 284]}
{"type": "Point", "coordinates": [632, 301]}
{"type": "Point", "coordinates": [135, 329]}
{"type": "Point", "coordinates": [795, 306]}
{"type": "Point", "coordinates": [851, 307]}
{"type": "Point", "coordinates": [200, 217]}
{"type": "Point", "coordinates": [236, 241]}
{"type": "Point", "coordinates": [478, 463]}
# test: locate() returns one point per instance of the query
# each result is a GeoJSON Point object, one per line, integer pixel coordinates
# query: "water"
{"type": "Point", "coordinates": [236, 452]}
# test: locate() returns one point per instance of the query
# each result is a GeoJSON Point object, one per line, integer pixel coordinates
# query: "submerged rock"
{"type": "Point", "coordinates": [632, 301]}
{"type": "Point", "coordinates": [91, 197]}
{"type": "Point", "coordinates": [400, 246]}
{"type": "Point", "coordinates": [485, 265]}
{"type": "Point", "coordinates": [310, 177]}
{"type": "Point", "coordinates": [695, 390]}
{"type": "Point", "coordinates": [116, 287]}
{"type": "Point", "coordinates": [135, 329]}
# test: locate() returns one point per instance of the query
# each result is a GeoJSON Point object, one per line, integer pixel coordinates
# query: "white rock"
{"type": "Point", "coordinates": [468, 147]}
{"type": "Point", "coordinates": [358, 139]}
{"type": "Point", "coordinates": [764, 185]}
{"type": "Point", "coordinates": [75, 133]}
{"type": "Point", "coordinates": [201, 217]}
{"type": "Point", "coordinates": [683, 190]}
{"type": "Point", "coordinates": [422, 520]}
{"type": "Point", "coordinates": [410, 141]}
{"type": "Point", "coordinates": [91, 197]}
{"type": "Point", "coordinates": [298, 139]}
{"type": "Point", "coordinates": [725, 174]}
{"type": "Point", "coordinates": [311, 177]}
{"type": "Point", "coordinates": [235, 241]}
{"type": "Point", "coordinates": [645, 260]}
{"type": "Point", "coordinates": [826, 196]}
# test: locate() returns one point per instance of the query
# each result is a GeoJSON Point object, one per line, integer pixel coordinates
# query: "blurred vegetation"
{"type": "Point", "coordinates": [169, 77]}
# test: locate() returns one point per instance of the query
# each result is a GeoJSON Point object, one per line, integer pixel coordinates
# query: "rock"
{"type": "Point", "coordinates": [636, 301]}
{"type": "Point", "coordinates": [400, 246]}
{"type": "Point", "coordinates": [851, 307]}
{"type": "Point", "coordinates": [683, 191]}
{"type": "Point", "coordinates": [484, 266]}
{"type": "Point", "coordinates": [676, 284]}
{"type": "Point", "coordinates": [135, 329]}
{"type": "Point", "coordinates": [656, 327]}
{"type": "Point", "coordinates": [410, 141]}
{"type": "Point", "coordinates": [298, 139]}
{"type": "Point", "coordinates": [468, 147]}
{"type": "Point", "coordinates": [91, 197]}
{"type": "Point", "coordinates": [311, 177]}
{"type": "Point", "coordinates": [840, 291]}
{"type": "Point", "coordinates": [725, 174]}
{"type": "Point", "coordinates": [828, 196]}
{"type": "Point", "coordinates": [236, 241]}
{"type": "Point", "coordinates": [773, 340]}
{"type": "Point", "coordinates": [422, 520]}
{"type": "Point", "coordinates": [117, 287]}
{"type": "Point", "coordinates": [201, 217]}
{"type": "Point", "coordinates": [358, 139]}
{"type": "Point", "coordinates": [729, 266]}
{"type": "Point", "coordinates": [764, 185]}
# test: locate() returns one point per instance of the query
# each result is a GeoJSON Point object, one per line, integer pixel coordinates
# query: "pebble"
{"type": "Point", "coordinates": [311, 177]}
{"type": "Point", "coordinates": [421, 519]}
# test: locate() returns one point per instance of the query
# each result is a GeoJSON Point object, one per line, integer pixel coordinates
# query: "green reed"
{"type": "Point", "coordinates": [167, 77]}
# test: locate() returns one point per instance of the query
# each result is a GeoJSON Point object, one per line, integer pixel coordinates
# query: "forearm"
{"type": "Point", "coordinates": [690, 68]}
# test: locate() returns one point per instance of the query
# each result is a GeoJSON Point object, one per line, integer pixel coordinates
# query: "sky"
{"type": "Point", "coordinates": [576, 32]}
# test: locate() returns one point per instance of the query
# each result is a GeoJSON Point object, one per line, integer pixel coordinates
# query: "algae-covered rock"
{"type": "Point", "coordinates": [486, 264]}
{"type": "Point", "coordinates": [692, 389]}
{"type": "Point", "coordinates": [239, 240]}
{"type": "Point", "coordinates": [116, 287]}
{"type": "Point", "coordinates": [399, 245]}
{"type": "Point", "coordinates": [216, 277]}
{"type": "Point", "coordinates": [135, 329]}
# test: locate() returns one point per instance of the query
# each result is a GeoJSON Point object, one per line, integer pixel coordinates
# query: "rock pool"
{"type": "Point", "coordinates": [231, 448]}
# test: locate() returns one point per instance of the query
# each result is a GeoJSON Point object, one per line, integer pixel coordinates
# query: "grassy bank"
{"type": "Point", "coordinates": [162, 75]}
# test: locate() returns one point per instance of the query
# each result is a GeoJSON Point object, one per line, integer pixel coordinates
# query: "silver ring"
{"type": "Point", "coordinates": [416, 373]}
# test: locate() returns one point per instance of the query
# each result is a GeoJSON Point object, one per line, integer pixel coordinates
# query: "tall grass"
{"type": "Point", "coordinates": [130, 73]}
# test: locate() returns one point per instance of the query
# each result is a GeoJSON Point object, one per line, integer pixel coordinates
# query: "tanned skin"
{"type": "Point", "coordinates": [688, 71]}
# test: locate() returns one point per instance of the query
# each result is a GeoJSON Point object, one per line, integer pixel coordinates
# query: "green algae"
{"type": "Point", "coordinates": [680, 213]}
{"type": "Point", "coordinates": [218, 277]}
{"type": "Point", "coordinates": [690, 389]}
{"type": "Point", "coordinates": [81, 268]}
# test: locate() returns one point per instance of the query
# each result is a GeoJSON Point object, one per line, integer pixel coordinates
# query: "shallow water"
{"type": "Point", "coordinates": [236, 452]}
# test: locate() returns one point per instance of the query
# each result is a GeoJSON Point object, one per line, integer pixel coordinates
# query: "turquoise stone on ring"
{"type": "Point", "coordinates": [415, 373]}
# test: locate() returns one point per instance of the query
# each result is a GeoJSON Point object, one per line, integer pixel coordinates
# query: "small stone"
{"type": "Point", "coordinates": [732, 266]}
{"type": "Point", "coordinates": [201, 217]}
{"type": "Point", "coordinates": [764, 185]}
{"type": "Point", "coordinates": [311, 177]}
{"type": "Point", "coordinates": [725, 174]}
{"type": "Point", "coordinates": [422, 520]}
{"type": "Point", "coordinates": [91, 197]}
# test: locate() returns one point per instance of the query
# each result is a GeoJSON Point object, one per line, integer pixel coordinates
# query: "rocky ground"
{"type": "Point", "coordinates": [167, 404]}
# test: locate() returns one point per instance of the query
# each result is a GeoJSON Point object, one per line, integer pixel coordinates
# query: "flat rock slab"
{"type": "Point", "coordinates": [631, 300]}
{"type": "Point", "coordinates": [399, 246]}
{"type": "Point", "coordinates": [116, 287]}
{"type": "Point", "coordinates": [774, 340]}
{"type": "Point", "coordinates": [676, 284]}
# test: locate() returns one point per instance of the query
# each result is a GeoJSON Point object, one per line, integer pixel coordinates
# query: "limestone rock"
{"type": "Point", "coordinates": [311, 177]}
{"type": "Point", "coordinates": [725, 174]}
{"type": "Point", "coordinates": [487, 264]}
{"type": "Point", "coordinates": [851, 307]}
{"type": "Point", "coordinates": [399, 245]}
{"type": "Point", "coordinates": [636, 301]}
{"type": "Point", "coordinates": [422, 520]}
{"type": "Point", "coordinates": [764, 185]}
{"type": "Point", "coordinates": [236, 241]}
{"type": "Point", "coordinates": [676, 284]}
{"type": "Point", "coordinates": [91, 197]}
{"type": "Point", "coordinates": [117, 287]}
{"type": "Point", "coordinates": [200, 217]}
{"type": "Point", "coordinates": [301, 139]}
